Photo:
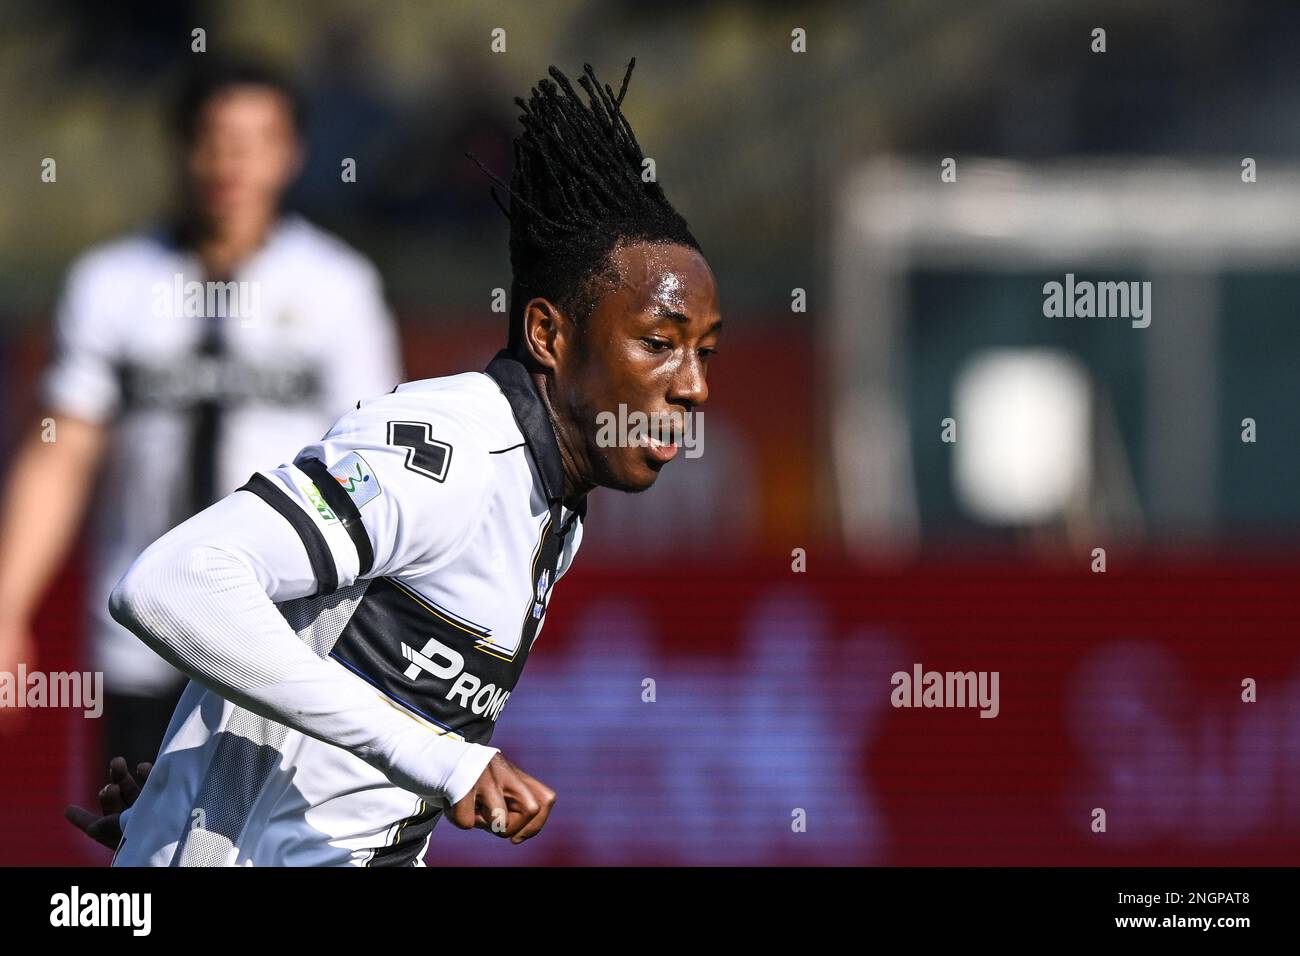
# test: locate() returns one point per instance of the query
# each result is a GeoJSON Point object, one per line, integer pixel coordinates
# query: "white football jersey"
{"type": "Point", "coordinates": [309, 336]}
{"type": "Point", "coordinates": [434, 522]}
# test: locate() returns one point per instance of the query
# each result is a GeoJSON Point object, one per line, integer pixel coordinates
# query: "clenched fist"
{"type": "Point", "coordinates": [505, 801]}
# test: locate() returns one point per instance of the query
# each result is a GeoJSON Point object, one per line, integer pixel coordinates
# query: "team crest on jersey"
{"type": "Point", "coordinates": [357, 479]}
{"type": "Point", "coordinates": [543, 585]}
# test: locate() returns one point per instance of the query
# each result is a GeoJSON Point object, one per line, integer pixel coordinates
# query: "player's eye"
{"type": "Point", "coordinates": [657, 345]}
{"type": "Point", "coordinates": [706, 352]}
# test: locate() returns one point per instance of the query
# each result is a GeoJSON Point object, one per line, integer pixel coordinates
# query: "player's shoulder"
{"type": "Point", "coordinates": [454, 423]}
{"type": "Point", "coordinates": [330, 257]}
{"type": "Point", "coordinates": [116, 261]}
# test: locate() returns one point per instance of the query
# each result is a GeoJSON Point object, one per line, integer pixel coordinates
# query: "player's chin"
{"type": "Point", "coordinates": [633, 470]}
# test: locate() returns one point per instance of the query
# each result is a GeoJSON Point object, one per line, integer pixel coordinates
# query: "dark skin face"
{"type": "Point", "coordinates": [647, 346]}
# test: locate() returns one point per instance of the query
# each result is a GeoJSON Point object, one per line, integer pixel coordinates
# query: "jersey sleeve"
{"type": "Point", "coordinates": [202, 595]}
{"type": "Point", "coordinates": [394, 486]}
{"type": "Point", "coordinates": [81, 378]}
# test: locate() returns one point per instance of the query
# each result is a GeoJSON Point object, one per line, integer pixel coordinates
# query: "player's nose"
{"type": "Point", "coordinates": [688, 387]}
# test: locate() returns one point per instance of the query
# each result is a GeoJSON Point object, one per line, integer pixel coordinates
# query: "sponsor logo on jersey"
{"type": "Point", "coordinates": [428, 659]}
{"type": "Point", "coordinates": [357, 479]}
{"type": "Point", "coordinates": [446, 663]}
{"type": "Point", "coordinates": [312, 493]}
{"type": "Point", "coordinates": [231, 380]}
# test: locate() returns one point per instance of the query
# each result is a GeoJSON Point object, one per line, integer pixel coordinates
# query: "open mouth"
{"type": "Point", "coordinates": [661, 450]}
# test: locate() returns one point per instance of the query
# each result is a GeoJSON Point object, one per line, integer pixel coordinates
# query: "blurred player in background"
{"type": "Point", "coordinates": [185, 358]}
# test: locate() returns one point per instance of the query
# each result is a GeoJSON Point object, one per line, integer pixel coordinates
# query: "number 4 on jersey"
{"type": "Point", "coordinates": [424, 455]}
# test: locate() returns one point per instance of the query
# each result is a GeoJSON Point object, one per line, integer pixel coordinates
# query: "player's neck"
{"type": "Point", "coordinates": [224, 244]}
{"type": "Point", "coordinates": [575, 485]}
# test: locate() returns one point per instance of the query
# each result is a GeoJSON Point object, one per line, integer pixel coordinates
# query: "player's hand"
{"type": "Point", "coordinates": [505, 801]}
{"type": "Point", "coordinates": [119, 793]}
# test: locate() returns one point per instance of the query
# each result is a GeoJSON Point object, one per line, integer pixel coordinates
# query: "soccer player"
{"type": "Point", "coordinates": [160, 410]}
{"type": "Point", "coordinates": [356, 621]}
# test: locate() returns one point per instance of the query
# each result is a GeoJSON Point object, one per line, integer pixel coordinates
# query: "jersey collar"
{"type": "Point", "coordinates": [176, 234]}
{"type": "Point", "coordinates": [530, 414]}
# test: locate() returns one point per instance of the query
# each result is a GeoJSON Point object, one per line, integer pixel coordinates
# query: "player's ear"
{"type": "Point", "coordinates": [546, 332]}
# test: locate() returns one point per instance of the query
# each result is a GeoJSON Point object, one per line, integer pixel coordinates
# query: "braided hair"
{"type": "Point", "coordinates": [576, 194]}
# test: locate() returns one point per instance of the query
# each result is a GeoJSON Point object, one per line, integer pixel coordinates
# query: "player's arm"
{"type": "Point", "coordinates": [43, 503]}
{"type": "Point", "coordinates": [54, 469]}
{"type": "Point", "coordinates": [202, 597]}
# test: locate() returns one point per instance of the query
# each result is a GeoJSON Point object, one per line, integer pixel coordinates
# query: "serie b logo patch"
{"type": "Point", "coordinates": [357, 478]}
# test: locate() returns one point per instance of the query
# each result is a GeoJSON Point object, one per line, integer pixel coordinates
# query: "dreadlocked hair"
{"type": "Point", "coordinates": [576, 193]}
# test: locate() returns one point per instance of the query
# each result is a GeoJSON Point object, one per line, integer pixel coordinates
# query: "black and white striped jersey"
{"type": "Point", "coordinates": [434, 529]}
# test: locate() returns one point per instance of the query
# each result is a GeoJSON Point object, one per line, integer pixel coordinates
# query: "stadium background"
{"type": "Point", "coordinates": [1119, 690]}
